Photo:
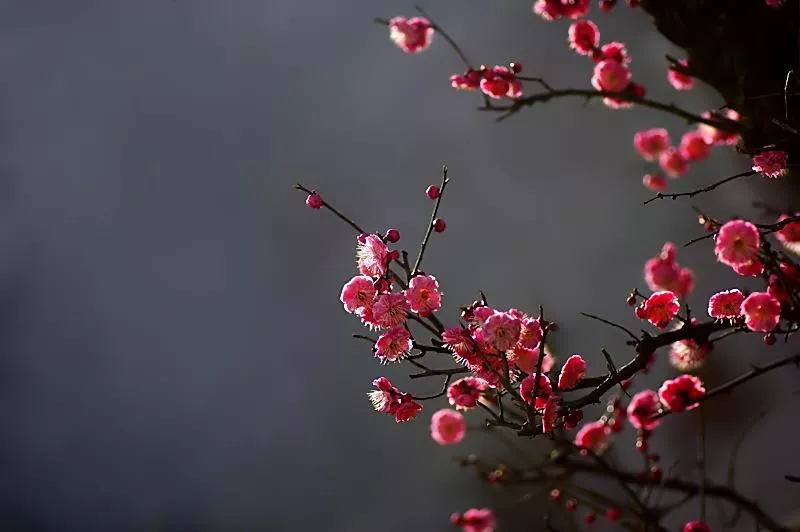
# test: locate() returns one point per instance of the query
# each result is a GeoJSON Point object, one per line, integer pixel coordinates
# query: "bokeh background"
{"type": "Point", "coordinates": [173, 354]}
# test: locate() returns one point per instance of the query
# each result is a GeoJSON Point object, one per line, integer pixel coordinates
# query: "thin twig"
{"type": "Point", "coordinates": [424, 244]}
{"type": "Point", "coordinates": [331, 208]}
{"type": "Point", "coordinates": [729, 386]}
{"type": "Point", "coordinates": [693, 193]}
{"type": "Point", "coordinates": [628, 96]}
{"type": "Point", "coordinates": [617, 325]}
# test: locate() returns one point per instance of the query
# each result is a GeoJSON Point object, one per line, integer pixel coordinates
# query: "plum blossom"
{"type": "Point", "coordinates": [357, 293]}
{"type": "Point", "coordinates": [697, 526]}
{"type": "Point", "coordinates": [681, 393]}
{"type": "Point", "coordinates": [572, 372]}
{"type": "Point", "coordinates": [499, 82]}
{"type": "Point", "coordinates": [526, 358]}
{"type": "Point", "coordinates": [750, 269]}
{"type": "Point", "coordinates": [762, 311]}
{"type": "Point", "coordinates": [542, 394]}
{"type": "Point", "coordinates": [554, 9]}
{"type": "Point", "coordinates": [693, 146]}
{"type": "Point", "coordinates": [610, 76]}
{"type": "Point", "coordinates": [460, 342]}
{"type": "Point", "coordinates": [500, 330]}
{"type": "Point", "coordinates": [372, 256]}
{"type": "Point", "coordinates": [789, 234]}
{"type": "Point", "coordinates": [390, 310]}
{"type": "Point", "coordinates": [448, 427]}
{"type": "Point", "coordinates": [672, 162]}
{"type": "Point", "coordinates": [593, 436]}
{"type": "Point", "coordinates": [679, 80]}
{"type": "Point", "coordinates": [411, 35]}
{"type": "Point", "coordinates": [643, 406]}
{"type": "Point", "coordinates": [772, 163]}
{"type": "Point", "coordinates": [550, 414]}
{"type": "Point", "coordinates": [715, 136]}
{"type": "Point", "coordinates": [465, 392]}
{"type": "Point", "coordinates": [664, 273]}
{"type": "Point", "coordinates": [530, 333]}
{"type": "Point", "coordinates": [688, 355]}
{"type": "Point", "coordinates": [423, 294]}
{"type": "Point", "coordinates": [407, 410]}
{"type": "Point", "coordinates": [583, 37]}
{"type": "Point", "coordinates": [387, 399]}
{"type": "Point", "coordinates": [614, 51]}
{"type": "Point", "coordinates": [737, 243]}
{"type": "Point", "coordinates": [314, 200]}
{"type": "Point", "coordinates": [393, 344]}
{"type": "Point", "coordinates": [650, 143]}
{"type": "Point", "coordinates": [726, 304]}
{"type": "Point", "coordinates": [468, 81]}
{"type": "Point", "coordinates": [659, 309]}
{"type": "Point", "coordinates": [475, 520]}
{"type": "Point", "coordinates": [655, 182]}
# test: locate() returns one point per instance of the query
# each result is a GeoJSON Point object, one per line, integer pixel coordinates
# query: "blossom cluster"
{"type": "Point", "coordinates": [502, 365]}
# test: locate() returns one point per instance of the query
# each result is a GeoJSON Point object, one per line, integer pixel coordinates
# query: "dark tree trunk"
{"type": "Point", "coordinates": [745, 50]}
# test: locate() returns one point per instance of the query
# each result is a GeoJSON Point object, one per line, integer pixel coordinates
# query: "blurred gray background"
{"type": "Point", "coordinates": [173, 354]}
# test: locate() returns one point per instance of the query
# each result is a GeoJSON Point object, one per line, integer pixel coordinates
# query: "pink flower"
{"type": "Point", "coordinates": [774, 3]}
{"type": "Point", "coordinates": [650, 143]}
{"type": "Point", "coordinates": [615, 51]}
{"type": "Point", "coordinates": [659, 309]}
{"type": "Point", "coordinates": [393, 344]}
{"type": "Point", "coordinates": [553, 9]}
{"type": "Point", "coordinates": [500, 330]}
{"type": "Point", "coordinates": [688, 355]}
{"type": "Point", "coordinates": [715, 136]}
{"type": "Point", "coordinates": [550, 414]}
{"type": "Point", "coordinates": [762, 311]}
{"type": "Point", "coordinates": [664, 273]}
{"type": "Point", "coordinates": [468, 81]}
{"type": "Point", "coordinates": [679, 80]}
{"type": "Point", "coordinates": [390, 310]}
{"type": "Point", "coordinates": [655, 182]}
{"type": "Point", "coordinates": [387, 399]}
{"type": "Point", "coordinates": [544, 391]}
{"type": "Point", "coordinates": [593, 436]}
{"type": "Point", "coordinates": [583, 37]}
{"type": "Point", "coordinates": [448, 427]}
{"type": "Point", "coordinates": [610, 76]}
{"type": "Point", "coordinates": [475, 519]}
{"type": "Point", "coordinates": [738, 243]}
{"type": "Point", "coordinates": [499, 81]}
{"type": "Point", "coordinates": [672, 162]}
{"type": "Point", "coordinates": [789, 234]}
{"type": "Point", "coordinates": [526, 359]}
{"type": "Point", "coordinates": [423, 294]}
{"type": "Point", "coordinates": [771, 163]}
{"type": "Point", "coordinates": [412, 35]}
{"type": "Point", "coordinates": [465, 392]}
{"type": "Point", "coordinates": [572, 372]}
{"type": "Point", "coordinates": [357, 293]}
{"type": "Point", "coordinates": [372, 256]}
{"type": "Point", "coordinates": [725, 304]}
{"type": "Point", "coordinates": [642, 408]}
{"type": "Point", "coordinates": [750, 269]}
{"type": "Point", "coordinates": [407, 410]}
{"type": "Point", "coordinates": [460, 342]}
{"type": "Point", "coordinates": [681, 393]}
{"type": "Point", "coordinates": [530, 333]}
{"type": "Point", "coordinates": [314, 200]}
{"type": "Point", "coordinates": [693, 146]}
{"type": "Point", "coordinates": [698, 526]}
